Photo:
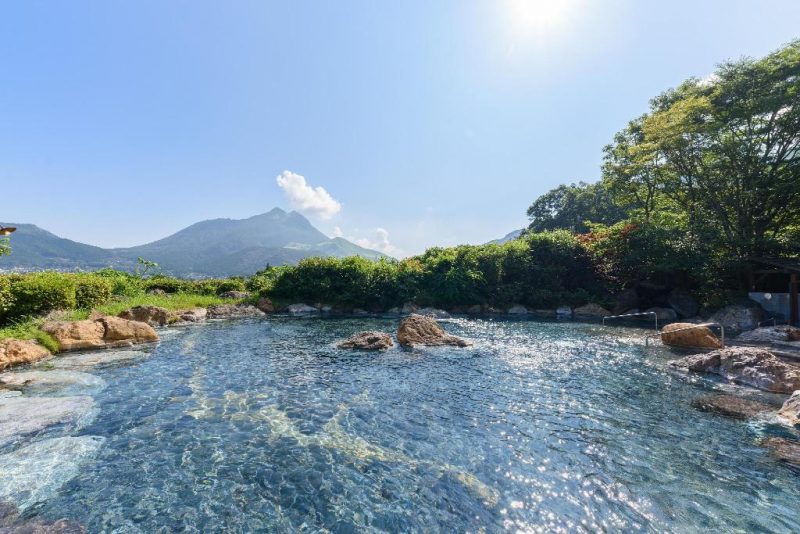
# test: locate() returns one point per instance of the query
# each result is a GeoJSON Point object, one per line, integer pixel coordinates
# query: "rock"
{"type": "Point", "coordinates": [785, 450]}
{"type": "Point", "coordinates": [11, 523]}
{"type": "Point", "coordinates": [590, 311]}
{"type": "Point", "coordinates": [768, 334]}
{"type": "Point", "coordinates": [421, 330]}
{"type": "Point", "coordinates": [233, 311]}
{"type": "Point", "coordinates": [433, 312]}
{"type": "Point", "coordinates": [99, 333]}
{"type": "Point", "coordinates": [564, 312]}
{"type": "Point", "coordinates": [409, 307]}
{"type": "Point", "coordinates": [156, 291]}
{"type": "Point", "coordinates": [751, 366]}
{"type": "Point", "coordinates": [696, 336]}
{"type": "Point", "coordinates": [19, 351]}
{"type": "Point", "coordinates": [475, 309]}
{"type": "Point", "coordinates": [20, 416]}
{"type": "Point", "coordinates": [683, 303]}
{"type": "Point", "coordinates": [301, 309]}
{"type": "Point", "coordinates": [96, 359]}
{"type": "Point", "coordinates": [152, 315]}
{"type": "Point", "coordinates": [195, 315]}
{"type": "Point", "coordinates": [790, 411]}
{"type": "Point", "coordinates": [394, 310]}
{"type": "Point", "coordinates": [34, 473]}
{"type": "Point", "coordinates": [544, 314]}
{"type": "Point", "coordinates": [265, 305]}
{"type": "Point", "coordinates": [731, 406]}
{"type": "Point", "coordinates": [738, 317]}
{"type": "Point", "coordinates": [239, 295]}
{"type": "Point", "coordinates": [517, 309]}
{"type": "Point", "coordinates": [367, 341]}
{"type": "Point", "coordinates": [793, 334]}
{"type": "Point", "coordinates": [65, 382]}
{"type": "Point", "coordinates": [626, 300]}
{"type": "Point", "coordinates": [664, 315]}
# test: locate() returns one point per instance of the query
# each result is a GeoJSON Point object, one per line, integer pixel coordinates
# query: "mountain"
{"type": "Point", "coordinates": [506, 238]}
{"type": "Point", "coordinates": [218, 247]}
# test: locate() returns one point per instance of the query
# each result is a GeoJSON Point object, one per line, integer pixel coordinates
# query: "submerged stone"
{"type": "Point", "coordinates": [20, 416]}
{"type": "Point", "coordinates": [785, 450]}
{"type": "Point", "coordinates": [731, 406]}
{"type": "Point", "coordinates": [96, 358]}
{"type": "Point", "coordinates": [34, 473]}
{"type": "Point", "coordinates": [39, 381]}
{"type": "Point", "coordinates": [233, 311]}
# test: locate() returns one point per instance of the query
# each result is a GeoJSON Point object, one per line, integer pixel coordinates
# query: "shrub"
{"type": "Point", "coordinates": [6, 299]}
{"type": "Point", "coordinates": [215, 286]}
{"type": "Point", "coordinates": [166, 284]}
{"type": "Point", "coordinates": [40, 293]}
{"type": "Point", "coordinates": [122, 284]}
{"type": "Point", "coordinates": [91, 291]}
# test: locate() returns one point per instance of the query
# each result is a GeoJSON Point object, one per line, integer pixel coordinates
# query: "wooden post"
{"type": "Point", "coordinates": [793, 304]}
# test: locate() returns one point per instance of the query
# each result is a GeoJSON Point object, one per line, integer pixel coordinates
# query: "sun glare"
{"type": "Point", "coordinates": [537, 19]}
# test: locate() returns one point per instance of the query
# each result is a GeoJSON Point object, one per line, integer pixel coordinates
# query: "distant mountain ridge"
{"type": "Point", "coordinates": [217, 247]}
{"type": "Point", "coordinates": [506, 238]}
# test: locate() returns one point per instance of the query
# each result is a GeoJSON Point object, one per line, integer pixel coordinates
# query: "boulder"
{"type": "Point", "coordinates": [99, 333]}
{"type": "Point", "coordinates": [751, 366]}
{"type": "Point", "coordinates": [394, 310]}
{"type": "Point", "coordinates": [233, 311]}
{"type": "Point", "coordinates": [195, 315]}
{"type": "Point", "coordinates": [517, 309]}
{"type": "Point", "coordinates": [265, 305]}
{"type": "Point", "coordinates": [156, 291]}
{"type": "Point", "coordinates": [19, 351]}
{"type": "Point", "coordinates": [768, 334]}
{"type": "Point", "coordinates": [793, 335]}
{"type": "Point", "coordinates": [738, 317]}
{"type": "Point", "coordinates": [590, 311]}
{"type": "Point", "coordinates": [790, 411]}
{"type": "Point", "coordinates": [152, 315]}
{"type": "Point", "coordinates": [683, 303]}
{"type": "Point", "coordinates": [731, 406]}
{"type": "Point", "coordinates": [664, 315]}
{"type": "Point", "coordinates": [475, 309]}
{"type": "Point", "coordinates": [21, 416]}
{"type": "Point", "coordinates": [434, 312]}
{"type": "Point", "coordinates": [360, 312]}
{"type": "Point", "coordinates": [367, 341]}
{"type": "Point", "coordinates": [301, 309]}
{"type": "Point", "coordinates": [785, 450]}
{"type": "Point", "coordinates": [421, 330]}
{"type": "Point", "coordinates": [409, 307]}
{"type": "Point", "coordinates": [238, 295]}
{"type": "Point", "coordinates": [689, 335]}
{"type": "Point", "coordinates": [626, 300]}
{"type": "Point", "coordinates": [564, 312]}
{"type": "Point", "coordinates": [544, 314]}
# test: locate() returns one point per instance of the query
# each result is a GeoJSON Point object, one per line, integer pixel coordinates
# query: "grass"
{"type": "Point", "coordinates": [31, 328]}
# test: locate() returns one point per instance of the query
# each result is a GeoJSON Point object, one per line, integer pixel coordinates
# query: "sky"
{"type": "Point", "coordinates": [399, 125]}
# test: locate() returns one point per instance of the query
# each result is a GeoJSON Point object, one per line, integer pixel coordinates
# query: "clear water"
{"type": "Point", "coordinates": [263, 425]}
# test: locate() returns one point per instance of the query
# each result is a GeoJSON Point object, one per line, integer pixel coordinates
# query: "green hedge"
{"type": "Point", "coordinates": [91, 291]}
{"type": "Point", "coordinates": [40, 293]}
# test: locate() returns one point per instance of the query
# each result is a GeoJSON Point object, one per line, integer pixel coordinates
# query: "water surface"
{"type": "Point", "coordinates": [263, 425]}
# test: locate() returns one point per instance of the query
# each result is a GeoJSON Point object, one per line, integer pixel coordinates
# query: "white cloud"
{"type": "Point", "coordinates": [337, 232]}
{"type": "Point", "coordinates": [307, 199]}
{"type": "Point", "coordinates": [379, 242]}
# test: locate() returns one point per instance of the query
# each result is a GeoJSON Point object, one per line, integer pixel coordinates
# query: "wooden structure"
{"type": "Point", "coordinates": [779, 275]}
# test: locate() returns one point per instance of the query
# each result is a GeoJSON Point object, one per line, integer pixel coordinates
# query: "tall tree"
{"type": "Point", "coordinates": [570, 207]}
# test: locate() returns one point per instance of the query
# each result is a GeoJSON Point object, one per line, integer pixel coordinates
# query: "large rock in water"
{"type": "Point", "coordinates": [689, 335]}
{"type": "Point", "coordinates": [738, 317]}
{"type": "Point", "coordinates": [791, 409]}
{"type": "Point", "coordinates": [785, 450]}
{"type": "Point", "coordinates": [233, 311]}
{"type": "Point", "coordinates": [750, 366]}
{"type": "Point", "coordinates": [100, 333]}
{"type": "Point", "coordinates": [420, 330]}
{"type": "Point", "coordinates": [367, 341]}
{"type": "Point", "coordinates": [194, 315]}
{"type": "Point", "coordinates": [20, 416]}
{"type": "Point", "coordinates": [301, 309]}
{"type": "Point", "coordinates": [19, 351]}
{"type": "Point", "coordinates": [152, 315]}
{"type": "Point", "coordinates": [731, 406]}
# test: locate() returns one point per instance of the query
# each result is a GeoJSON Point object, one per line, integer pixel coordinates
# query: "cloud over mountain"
{"type": "Point", "coordinates": [307, 199]}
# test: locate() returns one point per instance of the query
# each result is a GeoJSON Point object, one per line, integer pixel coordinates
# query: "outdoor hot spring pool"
{"type": "Point", "coordinates": [263, 425]}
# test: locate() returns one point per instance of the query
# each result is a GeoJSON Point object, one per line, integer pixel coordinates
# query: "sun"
{"type": "Point", "coordinates": [539, 19]}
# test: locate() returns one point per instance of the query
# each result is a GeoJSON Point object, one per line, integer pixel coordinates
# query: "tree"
{"type": "Point", "coordinates": [570, 207]}
{"type": "Point", "coordinates": [5, 246]}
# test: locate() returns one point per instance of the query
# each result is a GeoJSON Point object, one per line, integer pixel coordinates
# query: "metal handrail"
{"type": "Point", "coordinates": [721, 329]}
{"type": "Point", "coordinates": [654, 314]}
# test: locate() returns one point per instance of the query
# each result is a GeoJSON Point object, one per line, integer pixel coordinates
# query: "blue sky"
{"type": "Point", "coordinates": [426, 123]}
